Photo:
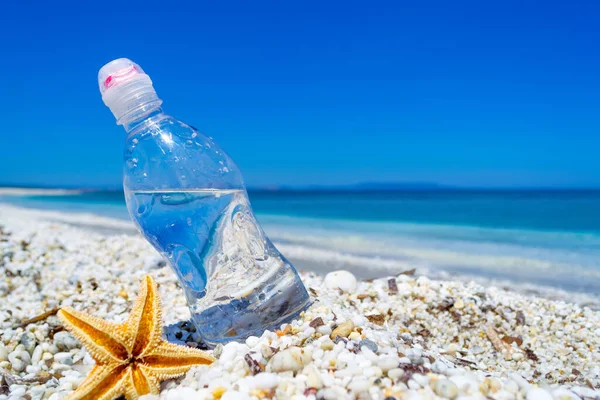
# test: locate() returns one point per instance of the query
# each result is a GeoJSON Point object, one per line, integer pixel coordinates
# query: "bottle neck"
{"type": "Point", "coordinates": [142, 119]}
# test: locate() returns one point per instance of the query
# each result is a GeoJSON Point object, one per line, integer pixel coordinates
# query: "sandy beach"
{"type": "Point", "coordinates": [398, 337]}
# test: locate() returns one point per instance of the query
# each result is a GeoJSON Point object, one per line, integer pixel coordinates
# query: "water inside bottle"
{"type": "Point", "coordinates": [236, 282]}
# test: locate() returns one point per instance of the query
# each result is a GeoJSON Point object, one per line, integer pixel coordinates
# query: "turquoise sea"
{"type": "Point", "coordinates": [539, 237]}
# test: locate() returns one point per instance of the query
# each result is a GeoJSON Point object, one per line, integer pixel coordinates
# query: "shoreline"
{"type": "Point", "coordinates": [320, 260]}
{"type": "Point", "coordinates": [418, 338]}
{"type": "Point", "coordinates": [17, 191]}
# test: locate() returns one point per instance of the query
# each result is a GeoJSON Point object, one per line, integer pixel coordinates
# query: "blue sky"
{"type": "Point", "coordinates": [462, 93]}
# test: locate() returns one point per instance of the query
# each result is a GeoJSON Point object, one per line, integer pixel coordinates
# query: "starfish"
{"type": "Point", "coordinates": [131, 358]}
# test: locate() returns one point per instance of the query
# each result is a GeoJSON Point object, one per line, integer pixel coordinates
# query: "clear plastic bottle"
{"type": "Point", "coordinates": [188, 199]}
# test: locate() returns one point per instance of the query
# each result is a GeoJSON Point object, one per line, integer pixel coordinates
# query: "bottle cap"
{"type": "Point", "coordinates": [126, 89]}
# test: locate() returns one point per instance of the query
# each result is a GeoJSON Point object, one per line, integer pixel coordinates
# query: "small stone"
{"type": "Point", "coordinates": [317, 322]}
{"type": "Point", "coordinates": [538, 394]}
{"type": "Point", "coordinates": [343, 280]}
{"type": "Point", "coordinates": [327, 345]}
{"type": "Point", "coordinates": [290, 359]}
{"type": "Point", "coordinates": [313, 379]}
{"type": "Point", "coordinates": [369, 344]}
{"type": "Point", "coordinates": [65, 341]}
{"type": "Point", "coordinates": [343, 330]}
{"type": "Point", "coordinates": [354, 336]}
{"type": "Point", "coordinates": [3, 353]}
{"type": "Point", "coordinates": [19, 359]}
{"type": "Point", "coordinates": [28, 341]}
{"type": "Point", "coordinates": [252, 341]}
{"type": "Point", "coordinates": [388, 363]}
{"type": "Point", "coordinates": [517, 356]}
{"type": "Point", "coordinates": [395, 373]}
{"type": "Point", "coordinates": [18, 392]}
{"type": "Point", "coordinates": [459, 304]}
{"type": "Point", "coordinates": [266, 351]}
{"type": "Point", "coordinates": [324, 330]}
{"type": "Point", "coordinates": [265, 380]}
{"type": "Point", "coordinates": [234, 395]}
{"type": "Point", "coordinates": [64, 358]}
{"type": "Point", "coordinates": [36, 356]}
{"type": "Point", "coordinates": [359, 385]}
{"type": "Point", "coordinates": [446, 388]}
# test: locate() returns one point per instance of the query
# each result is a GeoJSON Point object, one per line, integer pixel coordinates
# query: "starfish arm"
{"type": "Point", "coordinates": [102, 383]}
{"type": "Point", "coordinates": [144, 322]}
{"type": "Point", "coordinates": [138, 383]}
{"type": "Point", "coordinates": [104, 340]}
{"type": "Point", "coordinates": [169, 360]}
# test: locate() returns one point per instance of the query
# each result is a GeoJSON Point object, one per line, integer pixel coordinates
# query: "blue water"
{"type": "Point", "coordinates": [541, 237]}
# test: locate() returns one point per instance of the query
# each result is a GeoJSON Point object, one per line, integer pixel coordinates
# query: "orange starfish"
{"type": "Point", "coordinates": [131, 358]}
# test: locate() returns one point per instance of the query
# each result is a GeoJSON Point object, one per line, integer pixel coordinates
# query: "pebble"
{"type": "Point", "coordinates": [28, 341]}
{"type": "Point", "coordinates": [388, 363]}
{"type": "Point", "coordinates": [19, 360]}
{"type": "Point", "coordinates": [395, 373]}
{"type": "Point", "coordinates": [313, 378]}
{"type": "Point", "coordinates": [290, 359]}
{"type": "Point", "coordinates": [265, 380]}
{"type": "Point", "coordinates": [64, 358]}
{"type": "Point", "coordinates": [359, 385]}
{"type": "Point", "coordinates": [446, 388]}
{"type": "Point", "coordinates": [3, 353]}
{"type": "Point", "coordinates": [234, 395]}
{"type": "Point", "coordinates": [343, 330]}
{"type": "Point", "coordinates": [64, 341]}
{"type": "Point", "coordinates": [538, 394]}
{"type": "Point", "coordinates": [369, 344]}
{"type": "Point", "coordinates": [36, 356]}
{"type": "Point", "coordinates": [342, 280]}
{"type": "Point", "coordinates": [327, 345]}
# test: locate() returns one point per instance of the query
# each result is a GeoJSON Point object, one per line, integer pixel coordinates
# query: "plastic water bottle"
{"type": "Point", "coordinates": [188, 199]}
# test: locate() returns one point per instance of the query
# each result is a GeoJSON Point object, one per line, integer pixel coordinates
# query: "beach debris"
{"type": "Point", "coordinates": [531, 355]}
{"type": "Point", "coordinates": [512, 339]}
{"type": "Point", "coordinates": [377, 319]}
{"type": "Point", "coordinates": [40, 317]}
{"type": "Point", "coordinates": [409, 272]}
{"type": "Point", "coordinates": [392, 286]}
{"type": "Point", "coordinates": [501, 347]}
{"type": "Point", "coordinates": [342, 280]}
{"type": "Point", "coordinates": [317, 322]}
{"type": "Point", "coordinates": [446, 303]}
{"type": "Point", "coordinates": [131, 358]}
{"type": "Point", "coordinates": [255, 366]}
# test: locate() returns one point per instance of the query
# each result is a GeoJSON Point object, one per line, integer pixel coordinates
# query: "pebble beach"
{"type": "Point", "coordinates": [399, 337]}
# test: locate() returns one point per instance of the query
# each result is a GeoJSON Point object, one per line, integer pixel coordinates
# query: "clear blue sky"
{"type": "Point", "coordinates": [478, 93]}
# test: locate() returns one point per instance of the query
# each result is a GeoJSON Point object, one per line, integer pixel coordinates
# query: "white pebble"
{"type": "Point", "coordinates": [446, 388]}
{"type": "Point", "coordinates": [538, 394]}
{"type": "Point", "coordinates": [265, 380]}
{"type": "Point", "coordinates": [388, 363]}
{"type": "Point", "coordinates": [343, 280]}
{"type": "Point", "coordinates": [65, 341]}
{"type": "Point", "coordinates": [64, 358]}
{"type": "Point", "coordinates": [233, 395]}
{"type": "Point", "coordinates": [359, 385]}
{"type": "Point", "coordinates": [395, 373]}
{"type": "Point", "coordinates": [290, 359]}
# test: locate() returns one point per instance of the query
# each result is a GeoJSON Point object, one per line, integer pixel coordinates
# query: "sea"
{"type": "Point", "coordinates": [545, 238]}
